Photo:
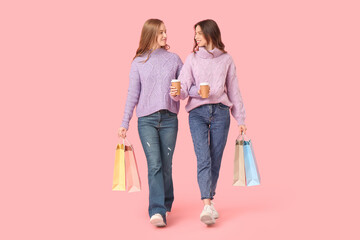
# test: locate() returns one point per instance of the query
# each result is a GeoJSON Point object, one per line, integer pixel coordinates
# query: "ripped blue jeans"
{"type": "Point", "coordinates": [158, 132]}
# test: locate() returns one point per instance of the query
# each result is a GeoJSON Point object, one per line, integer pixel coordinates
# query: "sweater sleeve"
{"type": "Point", "coordinates": [178, 71]}
{"type": "Point", "coordinates": [193, 92]}
{"type": "Point", "coordinates": [186, 78]}
{"type": "Point", "coordinates": [179, 66]}
{"type": "Point", "coordinates": [132, 96]}
{"type": "Point", "coordinates": [233, 92]}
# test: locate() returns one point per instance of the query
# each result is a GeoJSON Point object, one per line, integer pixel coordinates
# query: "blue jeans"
{"type": "Point", "coordinates": [158, 132]}
{"type": "Point", "coordinates": [209, 126]}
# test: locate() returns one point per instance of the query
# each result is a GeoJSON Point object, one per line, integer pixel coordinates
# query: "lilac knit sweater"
{"type": "Point", "coordinates": [218, 69]}
{"type": "Point", "coordinates": [149, 84]}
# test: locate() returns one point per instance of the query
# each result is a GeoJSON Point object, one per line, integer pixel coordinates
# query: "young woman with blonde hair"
{"type": "Point", "coordinates": [152, 70]}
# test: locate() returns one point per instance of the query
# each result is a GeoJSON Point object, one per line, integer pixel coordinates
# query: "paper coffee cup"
{"type": "Point", "coordinates": [204, 90]}
{"type": "Point", "coordinates": [176, 83]}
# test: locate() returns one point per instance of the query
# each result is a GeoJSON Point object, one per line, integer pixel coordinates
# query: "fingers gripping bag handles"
{"type": "Point", "coordinates": [126, 174]}
{"type": "Point", "coordinates": [244, 150]}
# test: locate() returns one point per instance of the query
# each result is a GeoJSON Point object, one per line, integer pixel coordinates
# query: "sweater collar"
{"type": "Point", "coordinates": [158, 50]}
{"type": "Point", "coordinates": [203, 53]}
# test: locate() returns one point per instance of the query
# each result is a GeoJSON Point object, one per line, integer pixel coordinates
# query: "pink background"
{"type": "Point", "coordinates": [64, 69]}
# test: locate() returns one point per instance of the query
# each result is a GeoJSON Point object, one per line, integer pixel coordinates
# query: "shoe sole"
{"type": "Point", "coordinates": [158, 222]}
{"type": "Point", "coordinates": [208, 220]}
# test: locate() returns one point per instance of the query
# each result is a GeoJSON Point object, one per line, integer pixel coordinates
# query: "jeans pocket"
{"type": "Point", "coordinates": [148, 118]}
{"type": "Point", "coordinates": [223, 106]}
{"type": "Point", "coordinates": [171, 114]}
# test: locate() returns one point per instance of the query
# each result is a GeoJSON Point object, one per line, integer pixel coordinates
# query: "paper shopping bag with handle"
{"type": "Point", "coordinates": [239, 164]}
{"type": "Point", "coordinates": [251, 169]}
{"type": "Point", "coordinates": [119, 169]}
{"type": "Point", "coordinates": [131, 170]}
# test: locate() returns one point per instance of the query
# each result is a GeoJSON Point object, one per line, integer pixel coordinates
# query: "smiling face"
{"type": "Point", "coordinates": [161, 37]}
{"type": "Point", "coordinates": [207, 35]}
{"type": "Point", "coordinates": [199, 37]}
{"type": "Point", "coordinates": [153, 36]}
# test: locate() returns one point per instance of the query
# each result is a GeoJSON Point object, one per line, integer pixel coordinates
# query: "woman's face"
{"type": "Point", "coordinates": [162, 37]}
{"type": "Point", "coordinates": [199, 37]}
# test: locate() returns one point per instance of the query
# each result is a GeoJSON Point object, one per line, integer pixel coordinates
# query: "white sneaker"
{"type": "Point", "coordinates": [215, 213]}
{"type": "Point", "coordinates": [206, 215]}
{"type": "Point", "coordinates": [157, 220]}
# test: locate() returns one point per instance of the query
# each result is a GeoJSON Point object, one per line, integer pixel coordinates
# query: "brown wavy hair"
{"type": "Point", "coordinates": [211, 33]}
{"type": "Point", "coordinates": [148, 37]}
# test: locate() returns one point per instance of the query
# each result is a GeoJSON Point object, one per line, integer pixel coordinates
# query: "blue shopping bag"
{"type": "Point", "coordinates": [251, 169]}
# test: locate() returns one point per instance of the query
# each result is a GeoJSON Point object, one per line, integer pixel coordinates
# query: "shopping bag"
{"type": "Point", "coordinates": [131, 170]}
{"type": "Point", "coordinates": [251, 169]}
{"type": "Point", "coordinates": [126, 174]}
{"type": "Point", "coordinates": [119, 169]}
{"type": "Point", "coordinates": [239, 164]}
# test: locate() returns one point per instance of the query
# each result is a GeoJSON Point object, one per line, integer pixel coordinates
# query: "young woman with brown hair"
{"type": "Point", "coordinates": [209, 117]}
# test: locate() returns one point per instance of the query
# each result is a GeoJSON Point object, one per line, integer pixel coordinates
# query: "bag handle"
{"type": "Point", "coordinates": [242, 136]}
{"type": "Point", "coordinates": [125, 139]}
{"type": "Point", "coordinates": [129, 144]}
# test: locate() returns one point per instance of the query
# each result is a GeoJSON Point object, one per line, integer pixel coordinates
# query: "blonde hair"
{"type": "Point", "coordinates": [148, 37]}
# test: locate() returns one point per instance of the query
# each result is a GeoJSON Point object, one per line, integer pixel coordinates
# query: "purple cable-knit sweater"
{"type": "Point", "coordinates": [149, 84]}
{"type": "Point", "coordinates": [217, 69]}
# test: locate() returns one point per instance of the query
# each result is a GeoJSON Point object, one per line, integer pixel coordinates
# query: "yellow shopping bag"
{"type": "Point", "coordinates": [119, 169]}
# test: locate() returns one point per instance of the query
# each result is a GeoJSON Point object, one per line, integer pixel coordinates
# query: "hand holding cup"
{"type": "Point", "coordinates": [204, 90]}
{"type": "Point", "coordinates": [175, 87]}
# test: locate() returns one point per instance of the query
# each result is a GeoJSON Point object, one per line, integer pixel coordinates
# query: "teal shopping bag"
{"type": "Point", "coordinates": [251, 169]}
